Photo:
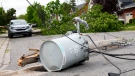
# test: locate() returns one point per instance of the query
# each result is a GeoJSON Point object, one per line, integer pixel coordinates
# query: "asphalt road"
{"type": "Point", "coordinates": [96, 66]}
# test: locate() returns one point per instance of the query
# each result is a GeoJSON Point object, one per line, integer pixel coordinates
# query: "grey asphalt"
{"type": "Point", "coordinates": [96, 66]}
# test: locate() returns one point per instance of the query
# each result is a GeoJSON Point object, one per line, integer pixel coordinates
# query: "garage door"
{"type": "Point", "coordinates": [128, 17]}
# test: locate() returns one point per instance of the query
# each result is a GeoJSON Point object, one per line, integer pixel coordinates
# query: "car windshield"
{"type": "Point", "coordinates": [19, 22]}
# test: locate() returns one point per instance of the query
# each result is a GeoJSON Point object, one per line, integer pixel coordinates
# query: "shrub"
{"type": "Point", "coordinates": [102, 21]}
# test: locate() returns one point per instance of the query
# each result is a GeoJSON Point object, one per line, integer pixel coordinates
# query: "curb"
{"type": "Point", "coordinates": [36, 31]}
{"type": "Point", "coordinates": [3, 50]}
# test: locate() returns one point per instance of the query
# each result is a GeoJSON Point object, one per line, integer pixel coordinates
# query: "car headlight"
{"type": "Point", "coordinates": [27, 27]}
{"type": "Point", "coordinates": [12, 27]}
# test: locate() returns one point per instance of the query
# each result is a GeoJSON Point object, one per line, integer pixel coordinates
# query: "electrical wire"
{"type": "Point", "coordinates": [103, 55]}
{"type": "Point", "coordinates": [112, 55]}
{"type": "Point", "coordinates": [94, 44]}
{"type": "Point", "coordinates": [111, 35]}
{"type": "Point", "coordinates": [120, 72]}
{"type": "Point", "coordinates": [55, 26]}
{"type": "Point", "coordinates": [127, 71]}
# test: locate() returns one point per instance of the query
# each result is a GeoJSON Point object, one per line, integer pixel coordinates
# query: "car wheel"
{"type": "Point", "coordinates": [10, 35]}
{"type": "Point", "coordinates": [25, 35]}
{"type": "Point", "coordinates": [30, 34]}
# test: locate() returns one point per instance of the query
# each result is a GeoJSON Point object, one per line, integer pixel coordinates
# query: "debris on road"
{"type": "Point", "coordinates": [27, 59]}
{"type": "Point", "coordinates": [34, 57]}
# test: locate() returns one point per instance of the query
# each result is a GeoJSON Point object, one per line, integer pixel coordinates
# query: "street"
{"type": "Point", "coordinates": [96, 66]}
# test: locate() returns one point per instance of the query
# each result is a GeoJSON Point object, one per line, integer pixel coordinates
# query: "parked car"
{"type": "Point", "coordinates": [19, 27]}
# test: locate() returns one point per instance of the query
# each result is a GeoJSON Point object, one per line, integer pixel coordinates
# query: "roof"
{"type": "Point", "coordinates": [129, 6]}
{"type": "Point", "coordinates": [80, 6]}
{"type": "Point", "coordinates": [126, 0]}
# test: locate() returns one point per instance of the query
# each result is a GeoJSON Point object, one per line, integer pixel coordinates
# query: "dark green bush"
{"type": "Point", "coordinates": [102, 21]}
{"type": "Point", "coordinates": [132, 21]}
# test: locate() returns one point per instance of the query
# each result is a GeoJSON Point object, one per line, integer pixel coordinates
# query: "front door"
{"type": "Point", "coordinates": [128, 16]}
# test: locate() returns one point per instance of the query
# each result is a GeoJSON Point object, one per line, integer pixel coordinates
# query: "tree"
{"type": "Point", "coordinates": [22, 16]}
{"type": "Point", "coordinates": [72, 3]}
{"type": "Point", "coordinates": [36, 14]}
{"type": "Point", "coordinates": [65, 8]}
{"type": "Point", "coordinates": [102, 21]}
{"type": "Point", "coordinates": [87, 0]}
{"type": "Point", "coordinates": [53, 7]}
{"type": "Point", "coordinates": [11, 14]}
{"type": "Point", "coordinates": [2, 17]}
{"type": "Point", "coordinates": [29, 15]}
{"type": "Point", "coordinates": [109, 6]}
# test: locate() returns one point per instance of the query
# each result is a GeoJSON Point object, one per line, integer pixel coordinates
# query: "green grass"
{"type": "Point", "coordinates": [6, 51]}
{"type": "Point", "coordinates": [129, 27]}
{"type": "Point", "coordinates": [2, 31]}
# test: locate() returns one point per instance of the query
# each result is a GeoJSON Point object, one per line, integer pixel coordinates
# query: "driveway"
{"type": "Point", "coordinates": [96, 66]}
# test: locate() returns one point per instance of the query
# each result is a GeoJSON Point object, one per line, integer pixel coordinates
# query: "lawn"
{"type": "Point", "coordinates": [129, 27]}
{"type": "Point", "coordinates": [2, 31]}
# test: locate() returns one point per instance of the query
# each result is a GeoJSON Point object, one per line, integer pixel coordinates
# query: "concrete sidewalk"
{"type": "Point", "coordinates": [4, 51]}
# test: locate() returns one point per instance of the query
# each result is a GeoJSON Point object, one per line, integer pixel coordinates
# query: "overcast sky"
{"type": "Point", "coordinates": [21, 5]}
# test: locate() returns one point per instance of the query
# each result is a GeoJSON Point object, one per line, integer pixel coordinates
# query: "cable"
{"type": "Point", "coordinates": [112, 55]}
{"type": "Point", "coordinates": [128, 71]}
{"type": "Point", "coordinates": [111, 35]}
{"type": "Point", "coordinates": [85, 46]}
{"type": "Point", "coordinates": [104, 56]}
{"type": "Point", "coordinates": [55, 26]}
{"type": "Point", "coordinates": [111, 62]}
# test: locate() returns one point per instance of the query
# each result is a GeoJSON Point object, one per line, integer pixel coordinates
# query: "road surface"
{"type": "Point", "coordinates": [96, 66]}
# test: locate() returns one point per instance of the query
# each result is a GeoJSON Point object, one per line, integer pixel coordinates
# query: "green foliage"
{"type": "Point", "coordinates": [87, 0]}
{"type": "Point", "coordinates": [102, 22]}
{"type": "Point", "coordinates": [129, 26]}
{"type": "Point", "coordinates": [32, 13]}
{"type": "Point", "coordinates": [37, 16]}
{"type": "Point", "coordinates": [97, 20]}
{"type": "Point", "coordinates": [132, 21]}
{"type": "Point", "coordinates": [65, 8]}
{"type": "Point", "coordinates": [2, 17]}
{"type": "Point", "coordinates": [5, 17]}
{"type": "Point", "coordinates": [59, 27]}
{"type": "Point", "coordinates": [10, 14]}
{"type": "Point", "coordinates": [21, 16]}
{"type": "Point", "coordinates": [53, 7]}
{"type": "Point", "coordinates": [46, 17]}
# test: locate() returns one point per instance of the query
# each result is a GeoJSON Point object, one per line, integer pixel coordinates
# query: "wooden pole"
{"type": "Point", "coordinates": [29, 58]}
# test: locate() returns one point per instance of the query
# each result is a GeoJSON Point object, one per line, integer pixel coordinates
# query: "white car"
{"type": "Point", "coordinates": [19, 27]}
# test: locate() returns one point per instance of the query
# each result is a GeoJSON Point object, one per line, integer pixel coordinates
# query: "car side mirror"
{"type": "Point", "coordinates": [34, 25]}
{"type": "Point", "coordinates": [30, 24]}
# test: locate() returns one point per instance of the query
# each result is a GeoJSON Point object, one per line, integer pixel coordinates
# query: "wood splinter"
{"type": "Point", "coordinates": [31, 58]}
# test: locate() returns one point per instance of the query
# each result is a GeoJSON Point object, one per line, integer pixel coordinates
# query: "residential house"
{"type": "Point", "coordinates": [128, 7]}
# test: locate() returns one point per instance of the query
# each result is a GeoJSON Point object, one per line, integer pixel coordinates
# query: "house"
{"type": "Point", "coordinates": [128, 7]}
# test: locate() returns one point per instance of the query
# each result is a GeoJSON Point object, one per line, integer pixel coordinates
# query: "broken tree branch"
{"type": "Point", "coordinates": [24, 60]}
